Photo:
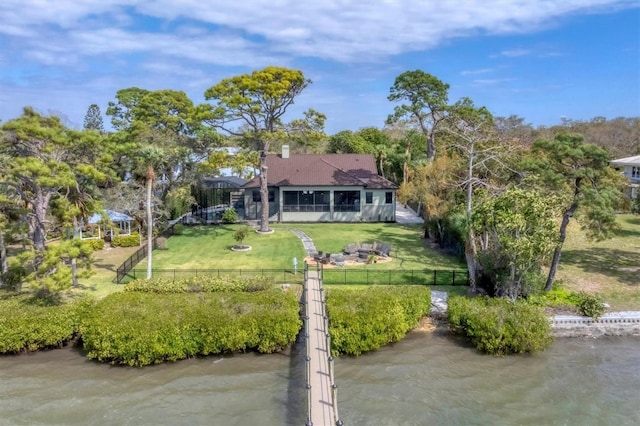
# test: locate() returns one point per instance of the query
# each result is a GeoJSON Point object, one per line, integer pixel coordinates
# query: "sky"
{"type": "Point", "coordinates": [543, 60]}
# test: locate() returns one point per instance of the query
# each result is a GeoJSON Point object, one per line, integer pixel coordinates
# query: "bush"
{"type": "Point", "coordinates": [161, 243]}
{"type": "Point", "coordinates": [240, 234]}
{"type": "Point", "coordinates": [230, 216]}
{"type": "Point", "coordinates": [364, 320]}
{"type": "Point", "coordinates": [591, 305]}
{"type": "Point", "coordinates": [178, 229]}
{"type": "Point", "coordinates": [134, 328]}
{"type": "Point", "coordinates": [12, 279]}
{"type": "Point", "coordinates": [556, 297]}
{"type": "Point", "coordinates": [201, 284]}
{"type": "Point", "coordinates": [29, 324]}
{"type": "Point", "coordinates": [94, 244]}
{"type": "Point", "coordinates": [499, 326]}
{"type": "Point", "coordinates": [132, 240]}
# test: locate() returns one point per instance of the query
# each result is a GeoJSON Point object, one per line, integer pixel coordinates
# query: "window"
{"type": "Point", "coordinates": [635, 172]}
{"type": "Point", "coordinates": [346, 201]}
{"type": "Point", "coordinates": [368, 197]}
{"type": "Point", "coordinates": [388, 197]}
{"type": "Point", "coordinates": [305, 201]}
{"type": "Point", "coordinates": [256, 195]}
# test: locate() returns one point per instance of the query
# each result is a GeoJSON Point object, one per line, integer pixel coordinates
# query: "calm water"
{"type": "Point", "coordinates": [423, 380]}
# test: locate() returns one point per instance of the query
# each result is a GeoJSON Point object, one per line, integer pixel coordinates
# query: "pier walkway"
{"type": "Point", "coordinates": [322, 403]}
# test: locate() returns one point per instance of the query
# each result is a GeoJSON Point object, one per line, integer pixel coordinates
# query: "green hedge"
{"type": "Point", "coordinates": [204, 283]}
{"type": "Point", "coordinates": [94, 244]}
{"type": "Point", "coordinates": [499, 326]}
{"type": "Point", "coordinates": [126, 240]}
{"type": "Point", "coordinates": [137, 328]}
{"type": "Point", "coordinates": [365, 320]}
{"type": "Point", "coordinates": [29, 324]}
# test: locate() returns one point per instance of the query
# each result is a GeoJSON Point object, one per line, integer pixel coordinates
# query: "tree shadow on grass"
{"type": "Point", "coordinates": [620, 264]}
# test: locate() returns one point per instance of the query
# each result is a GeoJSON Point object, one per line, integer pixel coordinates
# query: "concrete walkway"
{"type": "Point", "coordinates": [406, 215]}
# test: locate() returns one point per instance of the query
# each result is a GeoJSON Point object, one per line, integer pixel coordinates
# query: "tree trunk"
{"type": "Point", "coordinates": [3, 258]}
{"type": "Point", "coordinates": [431, 146]}
{"type": "Point", "coordinates": [150, 177]}
{"type": "Point", "coordinates": [74, 272]}
{"type": "Point", "coordinates": [264, 193]}
{"type": "Point", "coordinates": [566, 217]}
{"type": "Point", "coordinates": [470, 256]}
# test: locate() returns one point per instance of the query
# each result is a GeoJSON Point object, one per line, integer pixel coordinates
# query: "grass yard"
{"type": "Point", "coordinates": [408, 250]}
{"type": "Point", "coordinates": [610, 268]}
{"type": "Point", "coordinates": [106, 261]}
{"type": "Point", "coordinates": [209, 247]}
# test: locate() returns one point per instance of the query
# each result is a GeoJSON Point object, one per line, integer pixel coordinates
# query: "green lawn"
{"type": "Point", "coordinates": [610, 268]}
{"type": "Point", "coordinates": [209, 247]}
{"type": "Point", "coordinates": [408, 250]}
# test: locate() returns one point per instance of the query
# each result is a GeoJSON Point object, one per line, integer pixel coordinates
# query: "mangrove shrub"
{"type": "Point", "coordinates": [138, 328]}
{"type": "Point", "coordinates": [365, 320]}
{"type": "Point", "coordinates": [499, 326]}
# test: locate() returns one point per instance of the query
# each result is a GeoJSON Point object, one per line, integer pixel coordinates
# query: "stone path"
{"type": "Point", "coordinates": [307, 242]}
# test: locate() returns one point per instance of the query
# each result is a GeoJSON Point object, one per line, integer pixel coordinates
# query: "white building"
{"type": "Point", "coordinates": [630, 167]}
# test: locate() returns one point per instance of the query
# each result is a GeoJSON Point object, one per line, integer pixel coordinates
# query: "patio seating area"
{"type": "Point", "coordinates": [356, 253]}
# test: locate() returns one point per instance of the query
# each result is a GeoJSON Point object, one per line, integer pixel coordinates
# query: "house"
{"type": "Point", "coordinates": [630, 167]}
{"type": "Point", "coordinates": [323, 188]}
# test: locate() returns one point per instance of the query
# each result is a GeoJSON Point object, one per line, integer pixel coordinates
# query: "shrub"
{"type": "Point", "coordinates": [29, 324]}
{"type": "Point", "coordinates": [12, 279]}
{"type": "Point", "coordinates": [94, 244]}
{"type": "Point", "coordinates": [557, 297]}
{"type": "Point", "coordinates": [230, 216]}
{"type": "Point", "coordinates": [498, 326]}
{"type": "Point", "coordinates": [591, 305]}
{"type": "Point", "coordinates": [178, 229]}
{"type": "Point", "coordinates": [161, 243]}
{"type": "Point", "coordinates": [202, 283]}
{"type": "Point", "coordinates": [240, 234]}
{"type": "Point", "coordinates": [364, 320]}
{"type": "Point", "coordinates": [134, 328]}
{"type": "Point", "coordinates": [126, 240]}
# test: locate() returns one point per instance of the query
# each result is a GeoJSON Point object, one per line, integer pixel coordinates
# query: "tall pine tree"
{"type": "Point", "coordinates": [93, 119]}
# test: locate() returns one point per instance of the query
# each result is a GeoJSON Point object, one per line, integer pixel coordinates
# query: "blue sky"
{"type": "Point", "coordinates": [539, 59]}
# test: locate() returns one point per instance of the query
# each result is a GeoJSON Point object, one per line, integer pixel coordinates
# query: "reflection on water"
{"type": "Point", "coordinates": [425, 379]}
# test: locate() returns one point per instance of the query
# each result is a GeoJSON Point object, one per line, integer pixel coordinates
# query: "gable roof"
{"type": "Point", "coordinates": [323, 170]}
{"type": "Point", "coordinates": [628, 161]}
{"type": "Point", "coordinates": [113, 217]}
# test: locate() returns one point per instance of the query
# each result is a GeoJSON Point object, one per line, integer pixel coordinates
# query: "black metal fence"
{"type": "Point", "coordinates": [336, 276]}
{"type": "Point", "coordinates": [395, 277]}
{"type": "Point", "coordinates": [280, 276]}
{"type": "Point", "coordinates": [127, 266]}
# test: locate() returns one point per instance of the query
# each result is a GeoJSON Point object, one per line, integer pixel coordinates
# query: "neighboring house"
{"type": "Point", "coordinates": [630, 167]}
{"type": "Point", "coordinates": [323, 188]}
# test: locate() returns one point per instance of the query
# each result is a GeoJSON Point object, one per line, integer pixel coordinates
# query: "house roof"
{"type": "Point", "coordinates": [224, 182]}
{"type": "Point", "coordinates": [323, 170]}
{"type": "Point", "coordinates": [628, 161]}
{"type": "Point", "coordinates": [113, 217]}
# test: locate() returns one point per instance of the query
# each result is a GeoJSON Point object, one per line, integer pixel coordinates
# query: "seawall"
{"type": "Point", "coordinates": [611, 324]}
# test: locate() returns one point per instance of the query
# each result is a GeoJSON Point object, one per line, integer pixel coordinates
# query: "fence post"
{"type": "Point", "coordinates": [453, 279]}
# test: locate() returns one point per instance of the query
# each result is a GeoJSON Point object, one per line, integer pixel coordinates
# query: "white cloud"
{"type": "Point", "coordinates": [514, 53]}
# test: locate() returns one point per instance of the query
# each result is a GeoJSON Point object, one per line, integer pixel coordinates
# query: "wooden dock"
{"type": "Point", "coordinates": [321, 390]}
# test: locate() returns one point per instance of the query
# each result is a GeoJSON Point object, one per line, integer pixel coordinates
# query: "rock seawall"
{"type": "Point", "coordinates": [611, 324]}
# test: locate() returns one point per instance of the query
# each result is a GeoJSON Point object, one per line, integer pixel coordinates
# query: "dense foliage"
{"type": "Point", "coordinates": [135, 328]}
{"type": "Point", "coordinates": [205, 284]}
{"type": "Point", "coordinates": [126, 240]}
{"type": "Point", "coordinates": [29, 324]}
{"type": "Point", "coordinates": [94, 244]}
{"type": "Point", "coordinates": [499, 326]}
{"type": "Point", "coordinates": [366, 320]}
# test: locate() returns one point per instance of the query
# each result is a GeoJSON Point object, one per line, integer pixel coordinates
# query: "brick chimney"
{"type": "Point", "coordinates": [285, 151]}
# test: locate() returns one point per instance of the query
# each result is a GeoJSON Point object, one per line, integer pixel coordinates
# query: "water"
{"type": "Point", "coordinates": [427, 379]}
